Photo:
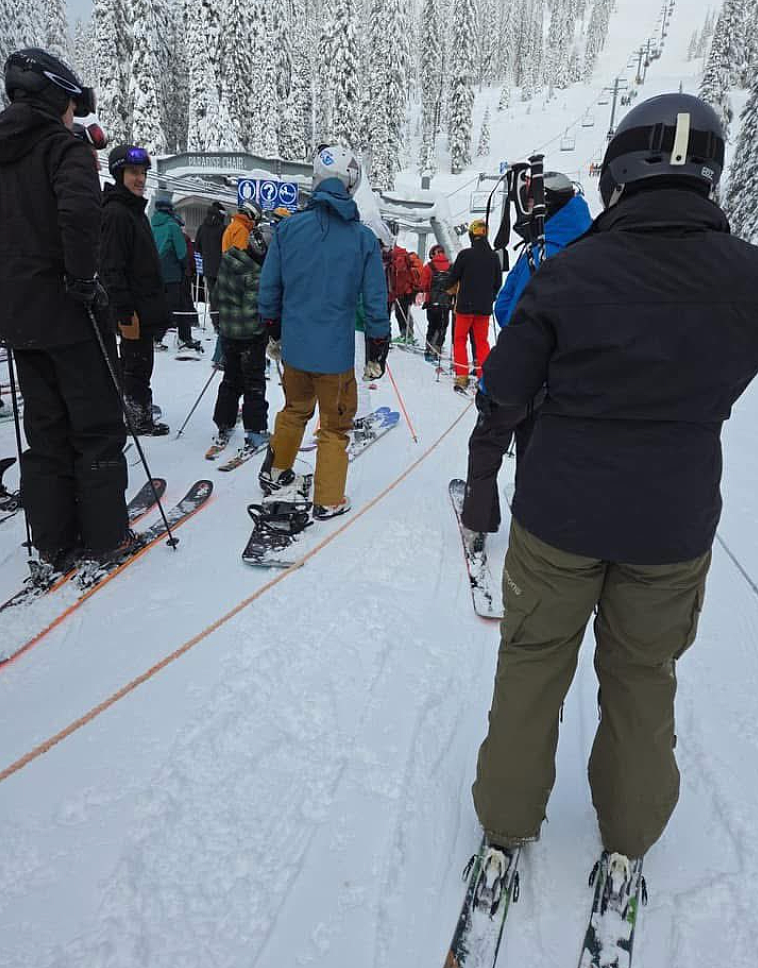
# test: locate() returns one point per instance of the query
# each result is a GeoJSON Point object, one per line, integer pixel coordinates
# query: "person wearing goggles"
{"type": "Point", "coordinates": [73, 473]}
{"type": "Point", "coordinates": [131, 271]}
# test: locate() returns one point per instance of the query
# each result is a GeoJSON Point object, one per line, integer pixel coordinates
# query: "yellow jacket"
{"type": "Point", "coordinates": [237, 232]}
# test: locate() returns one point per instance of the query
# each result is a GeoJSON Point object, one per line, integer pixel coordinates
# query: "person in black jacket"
{"type": "Point", "coordinates": [644, 333]}
{"type": "Point", "coordinates": [477, 275]}
{"type": "Point", "coordinates": [73, 474]}
{"type": "Point", "coordinates": [131, 272]}
{"type": "Point", "coordinates": [208, 244]}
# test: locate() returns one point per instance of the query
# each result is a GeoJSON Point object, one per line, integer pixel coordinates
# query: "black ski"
{"type": "Point", "coordinates": [91, 580]}
{"type": "Point", "coordinates": [618, 894]}
{"type": "Point", "coordinates": [139, 505]}
{"type": "Point", "coordinates": [489, 895]}
{"type": "Point", "coordinates": [485, 590]}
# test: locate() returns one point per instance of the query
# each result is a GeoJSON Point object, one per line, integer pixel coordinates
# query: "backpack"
{"type": "Point", "coordinates": [416, 268]}
{"type": "Point", "coordinates": [437, 293]}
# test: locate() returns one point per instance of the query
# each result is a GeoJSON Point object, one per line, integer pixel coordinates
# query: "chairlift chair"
{"type": "Point", "coordinates": [568, 142]}
{"type": "Point", "coordinates": [604, 99]}
{"type": "Point", "coordinates": [588, 121]}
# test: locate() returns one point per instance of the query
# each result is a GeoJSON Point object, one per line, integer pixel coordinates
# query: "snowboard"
{"type": "Point", "coordinates": [610, 932]}
{"type": "Point", "coordinates": [9, 500]}
{"type": "Point", "coordinates": [485, 590]}
{"type": "Point", "coordinates": [479, 930]}
{"type": "Point", "coordinates": [266, 549]}
{"type": "Point", "coordinates": [372, 427]}
{"type": "Point", "coordinates": [88, 582]}
{"type": "Point", "coordinates": [6, 411]}
{"type": "Point", "coordinates": [360, 424]}
{"type": "Point", "coordinates": [137, 508]}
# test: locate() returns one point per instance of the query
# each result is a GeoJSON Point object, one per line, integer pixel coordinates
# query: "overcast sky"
{"type": "Point", "coordinates": [78, 9]}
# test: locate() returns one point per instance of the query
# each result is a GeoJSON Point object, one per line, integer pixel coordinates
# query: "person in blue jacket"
{"type": "Point", "coordinates": [319, 265]}
{"type": "Point", "coordinates": [568, 217]}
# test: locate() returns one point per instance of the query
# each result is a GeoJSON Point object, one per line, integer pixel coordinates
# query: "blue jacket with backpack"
{"type": "Point", "coordinates": [318, 265]}
{"type": "Point", "coordinates": [565, 226]}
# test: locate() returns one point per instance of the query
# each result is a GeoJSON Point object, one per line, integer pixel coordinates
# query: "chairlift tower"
{"type": "Point", "coordinates": [619, 84]}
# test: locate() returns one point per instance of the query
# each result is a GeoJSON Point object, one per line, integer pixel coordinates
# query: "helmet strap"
{"type": "Point", "coordinates": [616, 194]}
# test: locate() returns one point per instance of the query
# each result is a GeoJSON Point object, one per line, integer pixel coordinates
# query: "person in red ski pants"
{"type": "Point", "coordinates": [466, 323]}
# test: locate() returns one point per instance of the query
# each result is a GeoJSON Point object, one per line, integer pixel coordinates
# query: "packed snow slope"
{"type": "Point", "coordinates": [295, 789]}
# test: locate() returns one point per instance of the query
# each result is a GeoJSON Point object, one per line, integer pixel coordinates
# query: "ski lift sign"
{"type": "Point", "coordinates": [268, 193]}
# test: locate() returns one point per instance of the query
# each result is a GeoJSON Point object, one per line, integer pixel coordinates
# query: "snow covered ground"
{"type": "Point", "coordinates": [295, 789]}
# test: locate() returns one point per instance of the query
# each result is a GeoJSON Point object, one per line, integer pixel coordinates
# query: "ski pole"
{"type": "Point", "coordinates": [402, 405]}
{"type": "Point", "coordinates": [17, 422]}
{"type": "Point", "coordinates": [172, 542]}
{"type": "Point", "coordinates": [214, 371]}
{"type": "Point", "coordinates": [539, 211]}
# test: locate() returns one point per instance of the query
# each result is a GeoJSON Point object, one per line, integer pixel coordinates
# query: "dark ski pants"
{"type": "Point", "coordinates": [244, 376]}
{"type": "Point", "coordinates": [210, 295]}
{"type": "Point", "coordinates": [646, 617]}
{"type": "Point", "coordinates": [181, 314]}
{"type": "Point", "coordinates": [437, 320]}
{"type": "Point", "coordinates": [403, 314]}
{"type": "Point", "coordinates": [487, 446]}
{"type": "Point", "coordinates": [137, 360]}
{"type": "Point", "coordinates": [73, 475]}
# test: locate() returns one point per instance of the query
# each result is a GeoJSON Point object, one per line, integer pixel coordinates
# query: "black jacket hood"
{"type": "Point", "coordinates": [21, 127]}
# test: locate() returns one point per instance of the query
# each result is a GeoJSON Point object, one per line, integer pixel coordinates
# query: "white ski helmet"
{"type": "Point", "coordinates": [336, 161]}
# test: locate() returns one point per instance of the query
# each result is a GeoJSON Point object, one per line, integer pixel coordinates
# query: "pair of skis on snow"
{"type": "Point", "coordinates": [476, 941]}
{"type": "Point", "coordinates": [87, 581]}
{"type": "Point", "coordinates": [608, 939]}
{"type": "Point", "coordinates": [277, 527]}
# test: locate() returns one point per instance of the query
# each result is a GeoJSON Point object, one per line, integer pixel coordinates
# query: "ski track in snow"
{"type": "Point", "coordinates": [296, 790]}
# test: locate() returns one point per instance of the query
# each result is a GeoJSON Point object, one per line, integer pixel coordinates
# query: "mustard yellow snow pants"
{"type": "Point", "coordinates": [337, 398]}
{"type": "Point", "coordinates": [646, 617]}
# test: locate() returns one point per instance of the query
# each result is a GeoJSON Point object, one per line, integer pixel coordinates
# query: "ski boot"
{"type": "Point", "coordinates": [322, 512]}
{"type": "Point", "coordinates": [95, 565]}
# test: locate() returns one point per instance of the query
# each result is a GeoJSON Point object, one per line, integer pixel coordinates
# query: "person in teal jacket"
{"type": "Point", "coordinates": [172, 249]}
{"type": "Point", "coordinates": [568, 217]}
{"type": "Point", "coordinates": [319, 264]}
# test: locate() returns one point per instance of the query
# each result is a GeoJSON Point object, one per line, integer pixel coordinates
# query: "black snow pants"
{"type": "Point", "coordinates": [488, 444]}
{"type": "Point", "coordinates": [437, 320]}
{"type": "Point", "coordinates": [73, 474]}
{"type": "Point", "coordinates": [403, 314]}
{"type": "Point", "coordinates": [137, 358]}
{"type": "Point", "coordinates": [244, 376]}
{"type": "Point", "coordinates": [181, 316]}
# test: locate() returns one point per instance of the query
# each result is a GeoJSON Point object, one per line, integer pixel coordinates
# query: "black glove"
{"type": "Point", "coordinates": [484, 403]}
{"type": "Point", "coordinates": [89, 292]}
{"type": "Point", "coordinates": [378, 350]}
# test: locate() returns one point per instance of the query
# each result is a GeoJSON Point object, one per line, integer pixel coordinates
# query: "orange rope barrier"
{"type": "Point", "coordinates": [88, 717]}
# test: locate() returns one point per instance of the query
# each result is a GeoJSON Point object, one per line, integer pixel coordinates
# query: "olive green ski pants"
{"type": "Point", "coordinates": [646, 617]}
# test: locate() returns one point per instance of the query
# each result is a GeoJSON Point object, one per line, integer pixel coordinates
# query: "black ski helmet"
{"type": "Point", "coordinates": [123, 155]}
{"type": "Point", "coordinates": [33, 73]}
{"type": "Point", "coordinates": [559, 190]}
{"type": "Point", "coordinates": [670, 136]}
